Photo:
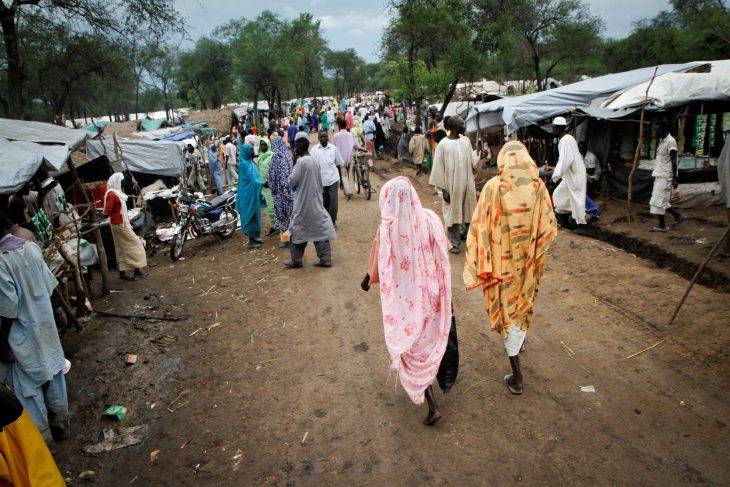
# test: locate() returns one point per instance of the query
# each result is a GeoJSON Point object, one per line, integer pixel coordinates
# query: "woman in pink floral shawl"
{"type": "Point", "coordinates": [409, 258]}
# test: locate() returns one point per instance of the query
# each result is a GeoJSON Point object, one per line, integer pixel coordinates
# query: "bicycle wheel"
{"type": "Point", "coordinates": [366, 181]}
{"type": "Point", "coordinates": [358, 176]}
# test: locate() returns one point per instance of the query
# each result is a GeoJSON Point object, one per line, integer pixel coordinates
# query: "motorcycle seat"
{"type": "Point", "coordinates": [220, 200]}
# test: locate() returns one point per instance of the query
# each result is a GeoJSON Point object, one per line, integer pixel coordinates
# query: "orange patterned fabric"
{"type": "Point", "coordinates": [511, 229]}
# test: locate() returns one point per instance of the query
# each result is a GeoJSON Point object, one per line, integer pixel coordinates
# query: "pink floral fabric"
{"type": "Point", "coordinates": [415, 286]}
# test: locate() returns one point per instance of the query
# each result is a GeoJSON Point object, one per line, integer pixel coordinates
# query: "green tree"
{"type": "Point", "coordinates": [260, 75]}
{"type": "Point", "coordinates": [709, 18]}
{"type": "Point", "coordinates": [540, 25]}
{"type": "Point", "coordinates": [105, 16]}
{"type": "Point", "coordinates": [431, 45]}
{"type": "Point", "coordinates": [347, 70]}
{"type": "Point", "coordinates": [206, 71]}
{"type": "Point", "coordinates": [161, 69]}
{"type": "Point", "coordinates": [306, 54]}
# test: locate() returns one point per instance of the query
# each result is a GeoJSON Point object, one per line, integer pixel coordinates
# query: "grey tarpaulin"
{"type": "Point", "coordinates": [145, 156]}
{"type": "Point", "coordinates": [521, 111]}
{"type": "Point", "coordinates": [44, 133]}
{"type": "Point", "coordinates": [25, 145]}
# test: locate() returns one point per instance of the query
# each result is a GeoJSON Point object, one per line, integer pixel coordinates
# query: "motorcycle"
{"type": "Point", "coordinates": [199, 218]}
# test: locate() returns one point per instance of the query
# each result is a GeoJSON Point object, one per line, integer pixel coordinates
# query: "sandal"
{"type": "Point", "coordinates": [513, 390]}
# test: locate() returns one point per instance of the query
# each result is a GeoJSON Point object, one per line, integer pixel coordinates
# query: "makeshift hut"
{"type": "Point", "coordinates": [26, 147]}
{"type": "Point", "coordinates": [697, 106]}
{"type": "Point", "coordinates": [493, 120]}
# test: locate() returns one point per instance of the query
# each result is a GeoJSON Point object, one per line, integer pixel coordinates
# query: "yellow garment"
{"type": "Point", "coordinates": [24, 457]}
{"type": "Point", "coordinates": [129, 250]}
{"type": "Point", "coordinates": [512, 227]}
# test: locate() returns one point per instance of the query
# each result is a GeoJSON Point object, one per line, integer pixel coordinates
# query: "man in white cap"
{"type": "Point", "coordinates": [569, 198]}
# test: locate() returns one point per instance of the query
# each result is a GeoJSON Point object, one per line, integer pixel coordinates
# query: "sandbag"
{"type": "Point", "coordinates": [449, 368]}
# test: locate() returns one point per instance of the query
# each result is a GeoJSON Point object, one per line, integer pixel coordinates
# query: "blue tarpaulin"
{"type": "Point", "coordinates": [180, 136]}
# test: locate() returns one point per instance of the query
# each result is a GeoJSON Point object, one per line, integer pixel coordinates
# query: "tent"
{"type": "Point", "coordinates": [145, 156]}
{"type": "Point", "coordinates": [672, 90]}
{"type": "Point", "coordinates": [150, 125]}
{"type": "Point", "coordinates": [521, 111]}
{"type": "Point", "coordinates": [25, 145]}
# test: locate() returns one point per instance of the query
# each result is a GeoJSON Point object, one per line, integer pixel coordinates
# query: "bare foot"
{"type": "Point", "coordinates": [432, 418]}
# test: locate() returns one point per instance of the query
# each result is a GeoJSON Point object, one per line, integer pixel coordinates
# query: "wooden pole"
{"type": "Point", "coordinates": [97, 233]}
{"type": "Point", "coordinates": [638, 146]}
{"type": "Point", "coordinates": [697, 274]}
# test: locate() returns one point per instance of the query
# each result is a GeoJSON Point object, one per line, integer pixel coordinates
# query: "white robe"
{"type": "Point", "coordinates": [452, 170]}
{"type": "Point", "coordinates": [570, 195]}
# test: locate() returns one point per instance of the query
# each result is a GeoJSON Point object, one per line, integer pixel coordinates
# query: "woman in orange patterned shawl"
{"type": "Point", "coordinates": [512, 228]}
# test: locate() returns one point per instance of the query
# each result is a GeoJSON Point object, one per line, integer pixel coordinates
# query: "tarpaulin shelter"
{"type": "Point", "coordinates": [144, 156]}
{"type": "Point", "coordinates": [672, 90]}
{"type": "Point", "coordinates": [149, 125]}
{"type": "Point", "coordinates": [180, 137]}
{"type": "Point", "coordinates": [521, 111]}
{"type": "Point", "coordinates": [25, 145]}
{"type": "Point", "coordinates": [697, 105]}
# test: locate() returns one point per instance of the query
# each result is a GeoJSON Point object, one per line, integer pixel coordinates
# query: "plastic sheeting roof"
{"type": "Point", "coordinates": [149, 157]}
{"type": "Point", "coordinates": [44, 133]}
{"type": "Point", "coordinates": [521, 111]}
{"type": "Point", "coordinates": [25, 145]}
{"type": "Point", "coordinates": [673, 89]}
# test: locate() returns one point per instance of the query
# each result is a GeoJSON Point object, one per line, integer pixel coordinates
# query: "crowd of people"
{"type": "Point", "coordinates": [262, 165]}
{"type": "Point", "coordinates": [294, 183]}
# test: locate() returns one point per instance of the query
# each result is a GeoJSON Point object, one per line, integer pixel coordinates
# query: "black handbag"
{"type": "Point", "coordinates": [449, 368]}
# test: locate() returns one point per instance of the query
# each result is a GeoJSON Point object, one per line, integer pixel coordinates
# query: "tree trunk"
{"type": "Point", "coordinates": [449, 96]}
{"type": "Point", "coordinates": [255, 109]}
{"type": "Point", "coordinates": [277, 107]}
{"type": "Point", "coordinates": [16, 74]}
{"type": "Point", "coordinates": [538, 76]}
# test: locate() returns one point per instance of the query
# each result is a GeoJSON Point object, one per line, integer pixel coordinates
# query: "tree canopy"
{"type": "Point", "coordinates": [74, 58]}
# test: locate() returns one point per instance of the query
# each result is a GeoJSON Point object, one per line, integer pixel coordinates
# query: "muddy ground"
{"type": "Point", "coordinates": [292, 388]}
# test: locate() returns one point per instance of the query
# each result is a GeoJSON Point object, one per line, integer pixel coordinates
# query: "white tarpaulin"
{"type": "Point", "coordinates": [149, 157]}
{"type": "Point", "coordinates": [521, 111]}
{"type": "Point", "coordinates": [25, 145]}
{"type": "Point", "coordinates": [673, 89]}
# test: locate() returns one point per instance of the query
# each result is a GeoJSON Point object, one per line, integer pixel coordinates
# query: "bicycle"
{"type": "Point", "coordinates": [362, 173]}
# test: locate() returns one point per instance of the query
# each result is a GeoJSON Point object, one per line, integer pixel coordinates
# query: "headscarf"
{"type": "Point", "coordinates": [512, 227]}
{"type": "Point", "coordinates": [415, 286]}
{"type": "Point", "coordinates": [114, 186]}
{"type": "Point", "coordinates": [249, 199]}
{"type": "Point", "coordinates": [279, 171]}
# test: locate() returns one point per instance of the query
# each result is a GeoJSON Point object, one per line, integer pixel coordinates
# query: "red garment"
{"type": "Point", "coordinates": [113, 208]}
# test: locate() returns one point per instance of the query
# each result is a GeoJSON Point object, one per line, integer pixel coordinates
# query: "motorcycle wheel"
{"type": "Point", "coordinates": [231, 228]}
{"type": "Point", "coordinates": [178, 242]}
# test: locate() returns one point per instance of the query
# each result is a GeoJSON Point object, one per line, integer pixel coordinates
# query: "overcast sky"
{"type": "Point", "coordinates": [359, 24]}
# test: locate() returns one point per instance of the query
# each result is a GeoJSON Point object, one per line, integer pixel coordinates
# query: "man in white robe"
{"type": "Point", "coordinates": [31, 355]}
{"type": "Point", "coordinates": [569, 198]}
{"type": "Point", "coordinates": [452, 175]}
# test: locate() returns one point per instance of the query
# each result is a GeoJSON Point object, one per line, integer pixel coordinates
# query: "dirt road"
{"type": "Point", "coordinates": [292, 389]}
